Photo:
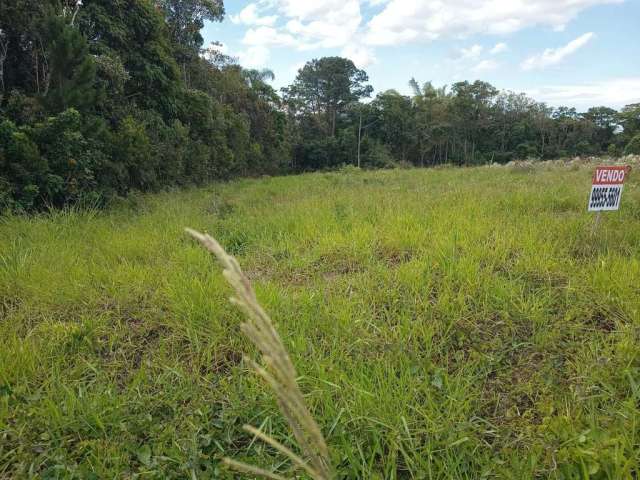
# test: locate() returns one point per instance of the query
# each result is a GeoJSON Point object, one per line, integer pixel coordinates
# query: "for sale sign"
{"type": "Point", "coordinates": [606, 188]}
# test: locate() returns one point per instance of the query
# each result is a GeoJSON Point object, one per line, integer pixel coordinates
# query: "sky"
{"type": "Point", "coordinates": [577, 53]}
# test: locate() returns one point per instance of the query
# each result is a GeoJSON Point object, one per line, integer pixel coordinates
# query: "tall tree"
{"type": "Point", "coordinates": [70, 76]}
{"type": "Point", "coordinates": [604, 120]}
{"type": "Point", "coordinates": [133, 34]}
{"type": "Point", "coordinates": [629, 118]}
{"type": "Point", "coordinates": [396, 122]}
{"type": "Point", "coordinates": [326, 87]}
{"type": "Point", "coordinates": [4, 52]}
{"type": "Point", "coordinates": [473, 102]}
{"type": "Point", "coordinates": [185, 19]}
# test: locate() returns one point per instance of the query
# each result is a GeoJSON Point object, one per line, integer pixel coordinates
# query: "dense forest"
{"type": "Point", "coordinates": [101, 97]}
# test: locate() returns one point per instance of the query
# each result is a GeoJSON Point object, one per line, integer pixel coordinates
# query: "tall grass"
{"type": "Point", "coordinates": [445, 324]}
{"type": "Point", "coordinates": [279, 374]}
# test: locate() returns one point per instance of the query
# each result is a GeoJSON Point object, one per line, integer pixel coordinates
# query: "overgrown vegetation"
{"type": "Point", "coordinates": [102, 97]}
{"type": "Point", "coordinates": [279, 374]}
{"type": "Point", "coordinates": [445, 323]}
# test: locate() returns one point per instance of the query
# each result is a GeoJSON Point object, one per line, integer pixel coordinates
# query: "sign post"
{"type": "Point", "coordinates": [606, 190]}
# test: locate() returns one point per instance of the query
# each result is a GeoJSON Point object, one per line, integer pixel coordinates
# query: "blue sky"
{"type": "Point", "coordinates": [564, 52]}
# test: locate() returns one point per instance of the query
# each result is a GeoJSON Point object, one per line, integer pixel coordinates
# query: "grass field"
{"type": "Point", "coordinates": [447, 324]}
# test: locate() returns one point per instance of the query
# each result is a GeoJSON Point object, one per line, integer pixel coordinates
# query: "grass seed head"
{"type": "Point", "coordinates": [279, 373]}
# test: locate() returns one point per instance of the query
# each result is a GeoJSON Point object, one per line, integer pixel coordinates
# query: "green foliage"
{"type": "Point", "coordinates": [70, 80]}
{"type": "Point", "coordinates": [326, 87]}
{"type": "Point", "coordinates": [21, 164]}
{"type": "Point", "coordinates": [50, 163]}
{"type": "Point", "coordinates": [23, 109]}
{"type": "Point", "coordinates": [629, 119]}
{"type": "Point", "coordinates": [186, 18]}
{"type": "Point", "coordinates": [108, 97]}
{"type": "Point", "coordinates": [133, 33]}
{"type": "Point", "coordinates": [471, 123]}
{"type": "Point", "coordinates": [105, 97]}
{"type": "Point", "coordinates": [132, 148]}
{"type": "Point", "coordinates": [377, 155]}
{"type": "Point", "coordinates": [69, 156]}
{"type": "Point", "coordinates": [445, 324]}
{"type": "Point", "coordinates": [633, 147]}
{"type": "Point", "coordinates": [614, 150]}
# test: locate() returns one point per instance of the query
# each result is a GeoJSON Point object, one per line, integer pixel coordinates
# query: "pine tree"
{"type": "Point", "coordinates": [71, 75]}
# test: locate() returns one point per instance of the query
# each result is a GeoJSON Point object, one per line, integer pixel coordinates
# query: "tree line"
{"type": "Point", "coordinates": [101, 97]}
{"type": "Point", "coordinates": [464, 124]}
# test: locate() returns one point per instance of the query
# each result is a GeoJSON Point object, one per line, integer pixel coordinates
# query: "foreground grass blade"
{"type": "Point", "coordinates": [279, 374]}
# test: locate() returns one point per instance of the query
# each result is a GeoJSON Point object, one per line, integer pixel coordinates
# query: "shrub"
{"type": "Point", "coordinates": [7, 203]}
{"type": "Point", "coordinates": [633, 147]}
{"type": "Point", "coordinates": [132, 148]}
{"type": "Point", "coordinates": [526, 150]}
{"type": "Point", "coordinates": [614, 150]}
{"type": "Point", "coordinates": [378, 156]}
{"type": "Point", "coordinates": [585, 148]}
{"type": "Point", "coordinates": [22, 164]}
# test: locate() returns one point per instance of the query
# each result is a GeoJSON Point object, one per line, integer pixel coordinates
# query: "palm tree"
{"type": "Point", "coordinates": [258, 78]}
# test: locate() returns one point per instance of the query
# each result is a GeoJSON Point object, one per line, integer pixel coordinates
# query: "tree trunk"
{"type": "Point", "coordinates": [4, 48]}
{"type": "Point", "coordinates": [466, 157]}
{"type": "Point", "coordinates": [37, 73]}
{"type": "Point", "coordinates": [333, 121]}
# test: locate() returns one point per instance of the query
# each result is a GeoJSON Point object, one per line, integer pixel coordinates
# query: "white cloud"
{"type": "Point", "coordinates": [338, 24]}
{"type": "Point", "coordinates": [296, 67]}
{"type": "Point", "coordinates": [309, 25]}
{"type": "Point", "coordinates": [313, 11]}
{"type": "Point", "coordinates": [328, 24]}
{"type": "Point", "coordinates": [360, 55]}
{"type": "Point", "coordinates": [263, 36]}
{"type": "Point", "coordinates": [403, 21]}
{"type": "Point", "coordinates": [470, 60]}
{"type": "Point", "coordinates": [553, 56]}
{"type": "Point", "coordinates": [256, 56]}
{"type": "Point", "coordinates": [485, 66]}
{"type": "Point", "coordinates": [249, 16]}
{"type": "Point", "coordinates": [499, 48]}
{"type": "Point", "coordinates": [615, 93]}
{"type": "Point", "coordinates": [473, 51]}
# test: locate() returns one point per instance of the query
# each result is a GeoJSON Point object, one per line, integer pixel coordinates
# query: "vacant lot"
{"type": "Point", "coordinates": [451, 323]}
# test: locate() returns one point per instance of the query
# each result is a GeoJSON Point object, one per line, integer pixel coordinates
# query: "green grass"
{"type": "Point", "coordinates": [447, 324]}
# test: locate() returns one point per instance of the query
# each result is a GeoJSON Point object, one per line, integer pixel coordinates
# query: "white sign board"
{"type": "Point", "coordinates": [606, 188]}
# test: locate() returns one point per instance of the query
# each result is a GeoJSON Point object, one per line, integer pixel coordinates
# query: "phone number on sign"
{"type": "Point", "coordinates": [605, 197]}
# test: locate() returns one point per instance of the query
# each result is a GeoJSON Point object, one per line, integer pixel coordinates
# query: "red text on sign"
{"type": "Point", "coordinates": [609, 175]}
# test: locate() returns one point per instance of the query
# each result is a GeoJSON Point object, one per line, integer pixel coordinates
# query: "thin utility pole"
{"type": "Point", "coordinates": [360, 128]}
{"type": "Point", "coordinates": [359, 137]}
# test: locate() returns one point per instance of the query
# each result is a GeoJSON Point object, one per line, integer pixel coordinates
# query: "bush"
{"type": "Point", "coordinates": [22, 109]}
{"type": "Point", "coordinates": [319, 154]}
{"type": "Point", "coordinates": [585, 148]}
{"type": "Point", "coordinates": [22, 164]}
{"type": "Point", "coordinates": [132, 148]}
{"type": "Point", "coordinates": [633, 147]}
{"type": "Point", "coordinates": [526, 150]}
{"type": "Point", "coordinates": [50, 163]}
{"type": "Point", "coordinates": [378, 156]}
{"type": "Point", "coordinates": [70, 159]}
{"type": "Point", "coordinates": [7, 203]}
{"type": "Point", "coordinates": [614, 150]}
